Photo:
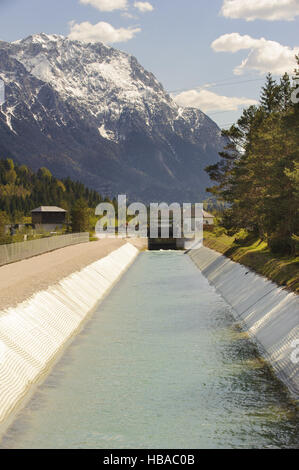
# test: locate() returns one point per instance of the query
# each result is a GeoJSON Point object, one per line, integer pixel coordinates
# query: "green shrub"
{"type": "Point", "coordinates": [279, 245]}
{"type": "Point", "coordinates": [241, 235]}
{"type": "Point", "coordinates": [218, 231]}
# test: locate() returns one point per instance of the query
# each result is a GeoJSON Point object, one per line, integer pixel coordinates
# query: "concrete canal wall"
{"type": "Point", "coordinates": [33, 333]}
{"type": "Point", "coordinates": [268, 313]}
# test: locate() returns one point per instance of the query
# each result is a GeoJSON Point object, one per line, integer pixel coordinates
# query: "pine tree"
{"type": "Point", "coordinates": [285, 92]}
{"type": "Point", "coordinates": [80, 217]}
{"type": "Point", "coordinates": [270, 96]}
{"type": "Point", "coordinates": [4, 220]}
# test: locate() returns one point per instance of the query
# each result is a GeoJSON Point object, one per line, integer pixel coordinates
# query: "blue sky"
{"type": "Point", "coordinates": [173, 38]}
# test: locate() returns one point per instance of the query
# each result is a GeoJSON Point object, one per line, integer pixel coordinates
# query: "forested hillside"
{"type": "Point", "coordinates": [21, 190]}
{"type": "Point", "coordinates": [258, 175]}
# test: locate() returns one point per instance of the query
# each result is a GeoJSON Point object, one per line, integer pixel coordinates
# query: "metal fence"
{"type": "Point", "coordinates": [19, 251]}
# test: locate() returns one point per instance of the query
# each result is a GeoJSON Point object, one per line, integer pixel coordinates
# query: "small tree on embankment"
{"type": "Point", "coordinates": [4, 220]}
{"type": "Point", "coordinates": [80, 217]}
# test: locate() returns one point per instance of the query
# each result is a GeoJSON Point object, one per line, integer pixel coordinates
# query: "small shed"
{"type": "Point", "coordinates": [208, 219]}
{"type": "Point", "coordinates": [49, 217]}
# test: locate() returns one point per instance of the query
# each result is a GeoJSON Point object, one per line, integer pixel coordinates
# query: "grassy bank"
{"type": "Point", "coordinates": [284, 270]}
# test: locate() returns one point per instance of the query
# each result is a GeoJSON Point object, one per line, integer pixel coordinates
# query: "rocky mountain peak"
{"type": "Point", "coordinates": [66, 89]}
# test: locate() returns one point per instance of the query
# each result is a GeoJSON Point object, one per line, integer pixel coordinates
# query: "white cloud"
{"type": "Point", "coordinates": [234, 42]}
{"type": "Point", "coordinates": [129, 16]}
{"type": "Point", "coordinates": [106, 5]}
{"type": "Point", "coordinates": [100, 32]}
{"type": "Point", "coordinates": [270, 10]}
{"type": "Point", "coordinates": [209, 101]}
{"type": "Point", "coordinates": [144, 7]}
{"type": "Point", "coordinates": [264, 56]}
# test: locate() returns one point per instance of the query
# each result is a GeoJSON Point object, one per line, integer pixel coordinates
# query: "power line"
{"type": "Point", "coordinates": [226, 125]}
{"type": "Point", "coordinates": [237, 83]}
{"type": "Point", "coordinates": [215, 85]}
{"type": "Point", "coordinates": [226, 111]}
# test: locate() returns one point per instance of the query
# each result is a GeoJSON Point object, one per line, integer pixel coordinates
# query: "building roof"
{"type": "Point", "coordinates": [48, 209]}
{"type": "Point", "coordinates": [207, 214]}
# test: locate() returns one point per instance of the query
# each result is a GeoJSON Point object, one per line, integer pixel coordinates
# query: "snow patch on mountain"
{"type": "Point", "coordinates": [9, 114]}
{"type": "Point", "coordinates": [106, 134]}
{"type": "Point", "coordinates": [97, 76]}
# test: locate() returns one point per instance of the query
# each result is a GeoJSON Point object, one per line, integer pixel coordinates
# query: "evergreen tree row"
{"type": "Point", "coordinates": [258, 173]}
{"type": "Point", "coordinates": [22, 190]}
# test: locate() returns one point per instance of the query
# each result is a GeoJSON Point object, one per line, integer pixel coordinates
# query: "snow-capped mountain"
{"type": "Point", "coordinates": [92, 112]}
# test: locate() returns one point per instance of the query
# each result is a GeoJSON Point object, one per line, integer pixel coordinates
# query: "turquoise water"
{"type": "Point", "coordinates": [161, 364]}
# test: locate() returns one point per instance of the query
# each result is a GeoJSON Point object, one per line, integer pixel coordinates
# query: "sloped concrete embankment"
{"type": "Point", "coordinates": [34, 333]}
{"type": "Point", "coordinates": [267, 312]}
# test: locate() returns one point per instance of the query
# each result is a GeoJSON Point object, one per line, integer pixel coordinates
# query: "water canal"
{"type": "Point", "coordinates": [161, 364]}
